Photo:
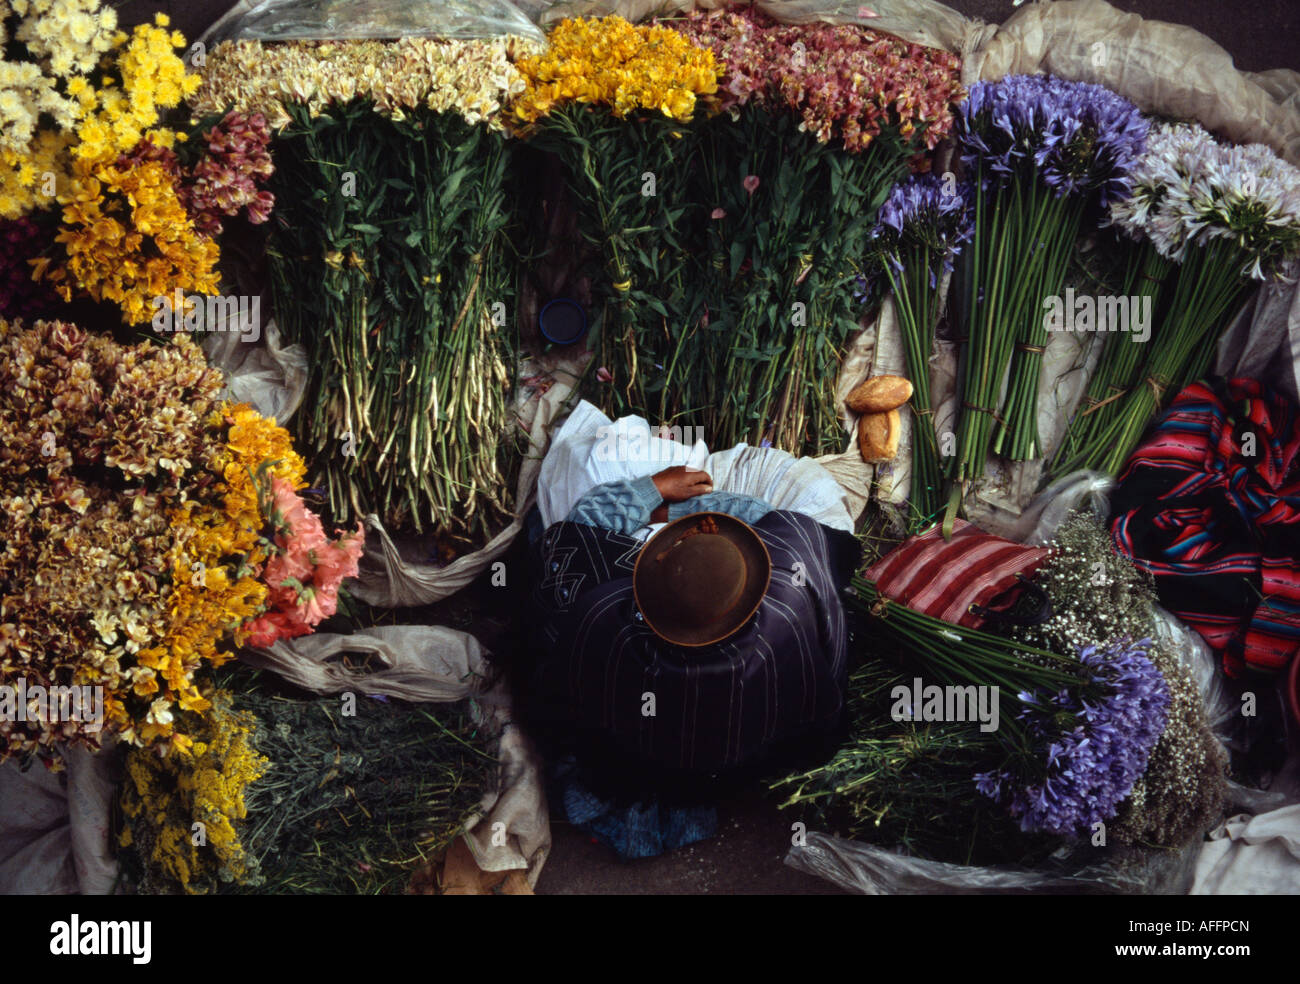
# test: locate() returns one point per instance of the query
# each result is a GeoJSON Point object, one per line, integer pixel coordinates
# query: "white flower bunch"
{"type": "Point", "coordinates": [66, 36]}
{"type": "Point", "coordinates": [65, 40]}
{"type": "Point", "coordinates": [1189, 189]}
{"type": "Point", "coordinates": [471, 78]}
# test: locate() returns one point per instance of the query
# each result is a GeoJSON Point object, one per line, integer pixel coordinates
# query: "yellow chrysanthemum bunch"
{"type": "Point", "coordinates": [28, 178]}
{"type": "Point", "coordinates": [128, 239]}
{"type": "Point", "coordinates": [610, 62]}
{"type": "Point", "coordinates": [68, 36]}
{"type": "Point", "coordinates": [164, 797]}
{"type": "Point", "coordinates": [153, 79]}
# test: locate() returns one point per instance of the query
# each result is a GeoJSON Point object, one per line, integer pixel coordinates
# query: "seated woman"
{"type": "Point", "coordinates": [681, 625]}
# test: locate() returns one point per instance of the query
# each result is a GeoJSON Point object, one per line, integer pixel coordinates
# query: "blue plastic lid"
{"type": "Point", "coordinates": [563, 321]}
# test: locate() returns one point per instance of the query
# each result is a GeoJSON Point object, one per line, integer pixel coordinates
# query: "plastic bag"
{"type": "Point", "coordinates": [1165, 69]}
{"type": "Point", "coordinates": [337, 20]}
{"type": "Point", "coordinates": [1082, 490]}
{"type": "Point", "coordinates": [266, 374]}
{"type": "Point", "coordinates": [926, 22]}
{"type": "Point", "coordinates": [871, 870]}
{"type": "Point", "coordinates": [54, 825]}
{"type": "Point", "coordinates": [1263, 341]}
{"type": "Point", "coordinates": [1247, 855]}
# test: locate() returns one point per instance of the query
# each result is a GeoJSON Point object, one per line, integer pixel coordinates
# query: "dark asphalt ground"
{"type": "Point", "coordinates": [747, 855]}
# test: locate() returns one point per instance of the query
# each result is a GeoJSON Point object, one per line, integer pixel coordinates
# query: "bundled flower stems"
{"type": "Point", "coordinates": [909, 783]}
{"type": "Point", "coordinates": [613, 101]}
{"type": "Point", "coordinates": [921, 228]}
{"type": "Point", "coordinates": [295, 796]}
{"type": "Point", "coordinates": [813, 124]}
{"type": "Point", "coordinates": [1208, 219]}
{"type": "Point", "coordinates": [1037, 151]}
{"type": "Point", "coordinates": [728, 284]}
{"type": "Point", "coordinates": [948, 790]}
{"type": "Point", "coordinates": [1085, 727]}
{"type": "Point", "coordinates": [388, 264]}
{"type": "Point", "coordinates": [1146, 276]}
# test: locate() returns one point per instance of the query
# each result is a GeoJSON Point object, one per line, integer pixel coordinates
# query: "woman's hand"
{"type": "Point", "coordinates": [679, 483]}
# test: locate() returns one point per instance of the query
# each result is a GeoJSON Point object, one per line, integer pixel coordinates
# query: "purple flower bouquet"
{"type": "Point", "coordinates": [1039, 152]}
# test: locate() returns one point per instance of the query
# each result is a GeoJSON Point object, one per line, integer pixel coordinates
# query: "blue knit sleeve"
{"type": "Point", "coordinates": [624, 506]}
{"type": "Point", "coordinates": [746, 508]}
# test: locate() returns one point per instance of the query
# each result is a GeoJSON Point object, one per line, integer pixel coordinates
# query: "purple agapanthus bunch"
{"type": "Point", "coordinates": [1078, 137]}
{"type": "Point", "coordinates": [1095, 749]}
{"type": "Point", "coordinates": [926, 218]}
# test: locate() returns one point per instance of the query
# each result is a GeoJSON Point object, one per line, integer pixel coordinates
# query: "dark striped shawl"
{"type": "Point", "coordinates": [782, 675]}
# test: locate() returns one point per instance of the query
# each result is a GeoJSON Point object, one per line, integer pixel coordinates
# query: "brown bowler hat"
{"type": "Point", "coordinates": [700, 578]}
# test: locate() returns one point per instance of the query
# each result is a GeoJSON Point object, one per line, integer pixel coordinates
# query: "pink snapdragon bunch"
{"type": "Point", "coordinates": [304, 573]}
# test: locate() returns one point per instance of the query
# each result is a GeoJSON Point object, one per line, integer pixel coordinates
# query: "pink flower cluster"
{"type": "Point", "coordinates": [235, 160]}
{"type": "Point", "coordinates": [226, 179]}
{"type": "Point", "coordinates": [304, 573]}
{"type": "Point", "coordinates": [844, 81]}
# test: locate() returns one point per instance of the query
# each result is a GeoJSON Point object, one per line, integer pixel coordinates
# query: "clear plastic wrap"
{"type": "Point", "coordinates": [870, 870]}
{"type": "Point", "coordinates": [926, 22]}
{"type": "Point", "coordinates": [270, 376]}
{"type": "Point", "coordinates": [1045, 514]}
{"type": "Point", "coordinates": [339, 20]}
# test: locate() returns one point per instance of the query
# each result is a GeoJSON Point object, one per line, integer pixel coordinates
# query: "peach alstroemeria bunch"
{"type": "Point", "coordinates": [472, 79]}
{"type": "Point", "coordinates": [146, 528]}
{"type": "Point", "coordinates": [842, 81]}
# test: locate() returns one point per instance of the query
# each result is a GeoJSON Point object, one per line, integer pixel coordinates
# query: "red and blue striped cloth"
{"type": "Point", "coordinates": [1209, 504]}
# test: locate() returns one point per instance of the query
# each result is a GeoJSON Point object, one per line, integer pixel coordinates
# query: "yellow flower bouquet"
{"type": "Point", "coordinates": [615, 103]}
{"type": "Point", "coordinates": [85, 153]}
{"type": "Point", "coordinates": [282, 795]}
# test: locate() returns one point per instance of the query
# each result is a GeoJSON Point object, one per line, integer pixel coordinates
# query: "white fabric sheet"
{"type": "Point", "coordinates": [590, 449]}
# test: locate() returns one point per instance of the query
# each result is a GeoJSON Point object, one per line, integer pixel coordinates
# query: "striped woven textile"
{"type": "Point", "coordinates": [1209, 504]}
{"type": "Point", "coordinates": [944, 579]}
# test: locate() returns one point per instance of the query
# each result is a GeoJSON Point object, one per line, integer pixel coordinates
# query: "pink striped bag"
{"type": "Point", "coordinates": [972, 579]}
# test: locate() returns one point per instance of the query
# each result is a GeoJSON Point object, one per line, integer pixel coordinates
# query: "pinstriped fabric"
{"type": "Point", "coordinates": [1218, 526]}
{"type": "Point", "coordinates": [714, 707]}
{"type": "Point", "coordinates": [944, 578]}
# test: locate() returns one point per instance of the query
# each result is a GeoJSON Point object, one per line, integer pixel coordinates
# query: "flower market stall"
{"type": "Point", "coordinates": [1000, 320]}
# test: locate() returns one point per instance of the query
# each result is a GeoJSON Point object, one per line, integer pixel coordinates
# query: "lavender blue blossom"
{"type": "Point", "coordinates": [924, 218]}
{"type": "Point", "coordinates": [1077, 137]}
{"type": "Point", "coordinates": [1093, 749]}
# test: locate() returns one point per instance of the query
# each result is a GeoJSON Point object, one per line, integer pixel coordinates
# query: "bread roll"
{"type": "Point", "coordinates": [879, 394]}
{"type": "Point", "coordinates": [878, 435]}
